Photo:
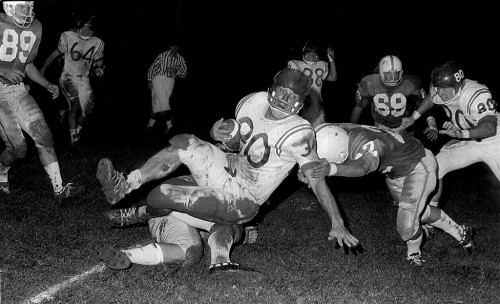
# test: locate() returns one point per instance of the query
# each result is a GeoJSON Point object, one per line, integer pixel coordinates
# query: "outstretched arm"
{"type": "Point", "coordinates": [332, 74]}
{"type": "Point", "coordinates": [424, 107]}
{"type": "Point", "coordinates": [338, 231]}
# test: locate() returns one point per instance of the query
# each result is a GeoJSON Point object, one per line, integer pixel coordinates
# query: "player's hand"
{"type": "Point", "coordinates": [98, 72]}
{"type": "Point", "coordinates": [331, 53]}
{"type": "Point", "coordinates": [322, 169]}
{"type": "Point", "coordinates": [432, 134]}
{"type": "Point", "coordinates": [342, 236]}
{"type": "Point", "coordinates": [451, 130]}
{"type": "Point", "coordinates": [218, 133]}
{"type": "Point", "coordinates": [53, 89]}
{"type": "Point", "coordinates": [301, 177]}
{"type": "Point", "coordinates": [9, 76]}
{"type": "Point", "coordinates": [405, 123]}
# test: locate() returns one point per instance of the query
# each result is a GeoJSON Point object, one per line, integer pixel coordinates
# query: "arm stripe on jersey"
{"type": "Point", "coordinates": [288, 133]}
{"type": "Point", "coordinates": [473, 98]}
{"type": "Point", "coordinates": [241, 102]}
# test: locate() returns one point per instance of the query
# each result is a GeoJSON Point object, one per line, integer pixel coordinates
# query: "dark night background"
{"type": "Point", "coordinates": [235, 48]}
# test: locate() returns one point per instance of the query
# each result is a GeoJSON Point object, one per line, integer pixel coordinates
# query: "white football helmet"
{"type": "Point", "coordinates": [390, 70]}
{"type": "Point", "coordinates": [20, 11]}
{"type": "Point", "coordinates": [332, 143]}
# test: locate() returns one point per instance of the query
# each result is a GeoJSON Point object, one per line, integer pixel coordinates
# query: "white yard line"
{"type": "Point", "coordinates": [49, 293]}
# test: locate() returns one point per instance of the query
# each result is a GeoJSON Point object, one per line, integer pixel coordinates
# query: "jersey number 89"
{"type": "Point", "coordinates": [9, 49]}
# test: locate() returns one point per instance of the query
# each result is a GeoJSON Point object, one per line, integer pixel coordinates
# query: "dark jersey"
{"type": "Point", "coordinates": [389, 104]}
{"type": "Point", "coordinates": [19, 46]}
{"type": "Point", "coordinates": [393, 154]}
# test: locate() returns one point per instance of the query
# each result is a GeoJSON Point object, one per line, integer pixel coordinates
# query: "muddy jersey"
{"type": "Point", "coordinates": [318, 71]}
{"type": "Point", "coordinates": [389, 104]}
{"type": "Point", "coordinates": [393, 154]}
{"type": "Point", "coordinates": [18, 46]}
{"type": "Point", "coordinates": [270, 147]}
{"type": "Point", "coordinates": [474, 102]}
{"type": "Point", "coordinates": [79, 54]}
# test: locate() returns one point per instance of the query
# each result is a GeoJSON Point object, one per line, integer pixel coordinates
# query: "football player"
{"type": "Point", "coordinates": [473, 122]}
{"type": "Point", "coordinates": [352, 150]}
{"type": "Point", "coordinates": [83, 57]}
{"type": "Point", "coordinates": [389, 92]}
{"type": "Point", "coordinates": [20, 35]}
{"type": "Point", "coordinates": [231, 187]}
{"type": "Point", "coordinates": [319, 71]}
{"type": "Point", "coordinates": [178, 239]}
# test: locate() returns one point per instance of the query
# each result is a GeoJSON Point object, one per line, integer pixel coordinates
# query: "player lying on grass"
{"type": "Point", "coordinates": [352, 150]}
{"type": "Point", "coordinates": [178, 238]}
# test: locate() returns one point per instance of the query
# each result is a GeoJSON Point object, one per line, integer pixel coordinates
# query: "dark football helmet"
{"type": "Point", "coordinates": [20, 11]}
{"type": "Point", "coordinates": [289, 90]}
{"type": "Point", "coordinates": [446, 76]}
{"type": "Point", "coordinates": [449, 75]}
{"type": "Point", "coordinates": [310, 52]}
{"type": "Point", "coordinates": [86, 27]}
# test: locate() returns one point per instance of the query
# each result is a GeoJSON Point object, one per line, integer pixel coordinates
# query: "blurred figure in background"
{"type": "Point", "coordinates": [161, 80]}
{"type": "Point", "coordinates": [319, 71]}
{"type": "Point", "coordinates": [83, 57]}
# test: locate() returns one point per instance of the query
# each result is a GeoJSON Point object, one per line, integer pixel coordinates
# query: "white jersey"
{"type": "Point", "coordinates": [318, 71]}
{"type": "Point", "coordinates": [270, 147]}
{"type": "Point", "coordinates": [79, 54]}
{"type": "Point", "coordinates": [474, 103]}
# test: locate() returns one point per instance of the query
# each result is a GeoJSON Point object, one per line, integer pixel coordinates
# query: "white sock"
{"type": "Point", "coordinates": [219, 252]}
{"type": "Point", "coordinates": [148, 255]}
{"type": "Point", "coordinates": [55, 176]}
{"type": "Point", "coordinates": [435, 204]}
{"type": "Point", "coordinates": [169, 124]}
{"type": "Point", "coordinates": [414, 245]}
{"type": "Point", "coordinates": [449, 226]}
{"type": "Point", "coordinates": [134, 180]}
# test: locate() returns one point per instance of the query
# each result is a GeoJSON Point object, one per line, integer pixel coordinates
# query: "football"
{"type": "Point", "coordinates": [233, 129]}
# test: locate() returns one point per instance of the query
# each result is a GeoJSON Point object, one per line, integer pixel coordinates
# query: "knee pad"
{"type": "Point", "coordinates": [41, 134]}
{"type": "Point", "coordinates": [193, 255]}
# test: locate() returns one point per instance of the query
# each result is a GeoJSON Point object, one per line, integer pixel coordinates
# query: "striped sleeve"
{"type": "Point", "coordinates": [182, 72]}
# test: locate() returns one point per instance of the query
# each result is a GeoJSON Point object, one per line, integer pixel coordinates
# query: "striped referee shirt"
{"type": "Point", "coordinates": [163, 62]}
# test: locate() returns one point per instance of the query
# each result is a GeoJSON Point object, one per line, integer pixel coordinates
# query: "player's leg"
{"type": "Point", "coordinates": [453, 156]}
{"type": "Point", "coordinates": [86, 105]}
{"type": "Point", "coordinates": [412, 192]}
{"type": "Point", "coordinates": [12, 136]}
{"type": "Point", "coordinates": [116, 185]}
{"type": "Point", "coordinates": [176, 242]}
{"type": "Point", "coordinates": [70, 91]}
{"type": "Point", "coordinates": [32, 121]}
{"type": "Point", "coordinates": [221, 240]}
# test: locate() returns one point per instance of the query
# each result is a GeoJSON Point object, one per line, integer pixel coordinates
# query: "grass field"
{"type": "Point", "coordinates": [48, 252]}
